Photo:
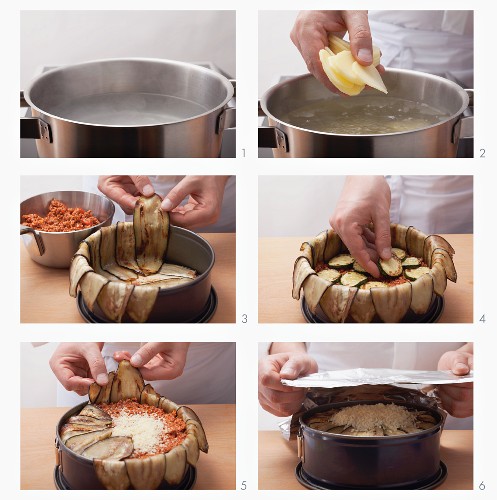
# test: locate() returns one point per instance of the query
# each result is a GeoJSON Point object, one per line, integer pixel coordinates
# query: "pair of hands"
{"type": "Point", "coordinates": [310, 35]}
{"type": "Point", "coordinates": [205, 196]}
{"type": "Point", "coordinates": [281, 400]}
{"type": "Point", "coordinates": [77, 365]}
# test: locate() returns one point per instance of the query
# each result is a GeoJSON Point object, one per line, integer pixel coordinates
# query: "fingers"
{"type": "Point", "coordinates": [177, 194]}
{"type": "Point", "coordinates": [143, 184]}
{"type": "Point", "coordinates": [146, 353]}
{"type": "Point", "coordinates": [298, 366]}
{"type": "Point", "coordinates": [458, 362]}
{"type": "Point", "coordinates": [120, 355]}
{"type": "Point", "coordinates": [361, 43]}
{"type": "Point", "coordinates": [96, 364]}
{"type": "Point", "coordinates": [383, 242]}
{"type": "Point", "coordinates": [457, 399]}
{"type": "Point", "coordinates": [198, 216]}
{"type": "Point", "coordinates": [79, 385]}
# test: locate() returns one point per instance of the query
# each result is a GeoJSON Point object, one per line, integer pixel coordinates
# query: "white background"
{"type": "Point", "coordinates": [247, 167]}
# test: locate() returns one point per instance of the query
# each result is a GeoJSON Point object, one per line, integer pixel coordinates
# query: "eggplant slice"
{"type": "Point", "coordinates": [125, 247]}
{"type": "Point", "coordinates": [146, 473]}
{"type": "Point", "coordinates": [151, 228]}
{"type": "Point", "coordinates": [175, 465]}
{"type": "Point", "coordinates": [82, 441]}
{"type": "Point", "coordinates": [112, 474]}
{"type": "Point", "coordinates": [128, 383]}
{"type": "Point", "coordinates": [113, 448]}
{"type": "Point", "coordinates": [141, 302]}
{"type": "Point", "coordinates": [108, 248]}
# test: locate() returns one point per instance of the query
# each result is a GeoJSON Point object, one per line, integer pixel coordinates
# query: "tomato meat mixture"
{"type": "Point", "coordinates": [61, 218]}
{"type": "Point", "coordinates": [152, 429]}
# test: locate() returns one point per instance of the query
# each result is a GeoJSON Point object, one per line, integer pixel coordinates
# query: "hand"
{"type": "Point", "coordinates": [310, 35]}
{"type": "Point", "coordinates": [125, 189]}
{"type": "Point", "coordinates": [205, 197]}
{"type": "Point", "coordinates": [457, 399]}
{"type": "Point", "coordinates": [158, 360]}
{"type": "Point", "coordinates": [274, 397]}
{"type": "Point", "coordinates": [77, 365]}
{"type": "Point", "coordinates": [364, 199]}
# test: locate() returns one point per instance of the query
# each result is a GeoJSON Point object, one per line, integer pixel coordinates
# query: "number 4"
{"type": "Point", "coordinates": [482, 319]}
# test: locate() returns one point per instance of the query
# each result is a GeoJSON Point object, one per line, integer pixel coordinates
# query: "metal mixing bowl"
{"type": "Point", "coordinates": [57, 249]}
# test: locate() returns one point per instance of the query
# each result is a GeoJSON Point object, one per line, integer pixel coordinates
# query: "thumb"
{"type": "Point", "coordinates": [457, 362]}
{"type": "Point", "coordinates": [145, 354]}
{"type": "Point", "coordinates": [177, 194]}
{"type": "Point", "coordinates": [96, 363]}
{"type": "Point", "coordinates": [143, 184]}
{"type": "Point", "coordinates": [297, 366]}
{"type": "Point", "coordinates": [361, 43]}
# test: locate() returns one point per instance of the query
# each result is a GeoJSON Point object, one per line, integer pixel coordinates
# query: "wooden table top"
{"type": "Point", "coordinates": [45, 297]}
{"type": "Point", "coordinates": [277, 256]}
{"type": "Point", "coordinates": [215, 471]}
{"type": "Point", "coordinates": [278, 459]}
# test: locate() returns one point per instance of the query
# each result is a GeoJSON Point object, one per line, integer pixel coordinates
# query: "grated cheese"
{"type": "Point", "coordinates": [368, 417]}
{"type": "Point", "coordinates": [145, 431]}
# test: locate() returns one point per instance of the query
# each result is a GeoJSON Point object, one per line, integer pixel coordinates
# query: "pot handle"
{"type": "Point", "coordinates": [463, 128]}
{"type": "Point", "coordinates": [227, 119]}
{"type": "Point", "coordinates": [36, 236]}
{"type": "Point", "coordinates": [273, 137]}
{"type": "Point", "coordinates": [300, 445]}
{"type": "Point", "coordinates": [33, 127]}
{"type": "Point", "coordinates": [466, 131]}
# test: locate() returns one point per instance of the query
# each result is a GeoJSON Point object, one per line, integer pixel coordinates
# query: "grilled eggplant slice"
{"type": "Point", "coordinates": [177, 271]}
{"type": "Point", "coordinates": [112, 474]}
{"type": "Point", "coordinates": [187, 414]}
{"type": "Point", "coordinates": [104, 394]}
{"type": "Point", "coordinates": [301, 270]}
{"type": "Point", "coordinates": [149, 397]}
{"type": "Point", "coordinates": [90, 421]}
{"type": "Point", "coordinates": [442, 256]}
{"type": "Point", "coordinates": [391, 267]}
{"type": "Point", "coordinates": [141, 302]}
{"type": "Point", "coordinates": [168, 406]}
{"type": "Point", "coordinates": [374, 284]}
{"type": "Point", "coordinates": [341, 261]}
{"type": "Point", "coordinates": [314, 287]}
{"type": "Point", "coordinates": [422, 294]}
{"type": "Point", "coordinates": [353, 278]}
{"type": "Point", "coordinates": [79, 267]}
{"type": "Point", "coordinates": [362, 309]}
{"type": "Point", "coordinates": [125, 247]}
{"type": "Point", "coordinates": [112, 448]}
{"type": "Point", "coordinates": [439, 278]}
{"type": "Point", "coordinates": [336, 302]}
{"type": "Point", "coordinates": [392, 303]}
{"type": "Point", "coordinates": [146, 473]}
{"type": "Point", "coordinates": [128, 383]}
{"type": "Point", "coordinates": [414, 274]}
{"type": "Point", "coordinates": [175, 465]}
{"type": "Point", "coordinates": [333, 247]}
{"type": "Point", "coordinates": [82, 441]}
{"type": "Point", "coordinates": [94, 411]}
{"type": "Point", "coordinates": [192, 449]}
{"type": "Point", "coordinates": [91, 285]}
{"type": "Point", "coordinates": [114, 298]}
{"type": "Point", "coordinates": [196, 428]}
{"type": "Point", "coordinates": [151, 228]}
{"type": "Point", "coordinates": [108, 255]}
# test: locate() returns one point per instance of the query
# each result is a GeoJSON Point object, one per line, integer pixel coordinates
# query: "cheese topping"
{"type": "Point", "coordinates": [368, 417]}
{"type": "Point", "coordinates": [143, 429]}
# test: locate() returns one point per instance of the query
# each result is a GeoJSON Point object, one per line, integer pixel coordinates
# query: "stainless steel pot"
{"type": "Point", "coordinates": [439, 140]}
{"type": "Point", "coordinates": [184, 302]}
{"type": "Point", "coordinates": [409, 461]}
{"type": "Point", "coordinates": [57, 249]}
{"type": "Point", "coordinates": [140, 91]}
